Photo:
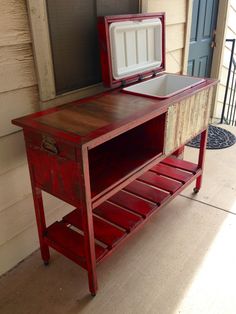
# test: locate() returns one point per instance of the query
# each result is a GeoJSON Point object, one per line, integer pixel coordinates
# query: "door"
{"type": "Point", "coordinates": [201, 46]}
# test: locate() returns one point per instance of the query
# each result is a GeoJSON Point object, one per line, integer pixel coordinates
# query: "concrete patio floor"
{"type": "Point", "coordinates": [182, 261]}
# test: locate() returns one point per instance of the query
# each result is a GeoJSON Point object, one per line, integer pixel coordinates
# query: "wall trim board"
{"type": "Point", "coordinates": [37, 11]}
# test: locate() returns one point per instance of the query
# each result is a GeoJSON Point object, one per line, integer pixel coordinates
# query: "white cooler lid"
{"type": "Point", "coordinates": [136, 47]}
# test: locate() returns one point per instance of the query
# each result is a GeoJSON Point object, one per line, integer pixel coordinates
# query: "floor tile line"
{"type": "Point", "coordinates": [204, 203]}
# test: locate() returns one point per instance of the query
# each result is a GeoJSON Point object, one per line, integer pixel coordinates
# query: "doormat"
{"type": "Point", "coordinates": [218, 138]}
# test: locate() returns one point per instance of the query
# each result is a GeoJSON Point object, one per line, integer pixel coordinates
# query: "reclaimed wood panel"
{"type": "Point", "coordinates": [14, 104]}
{"type": "Point", "coordinates": [187, 118]}
{"type": "Point", "coordinates": [16, 67]}
{"type": "Point", "coordinates": [14, 26]}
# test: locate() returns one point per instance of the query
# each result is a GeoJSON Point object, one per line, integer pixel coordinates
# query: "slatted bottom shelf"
{"type": "Point", "coordinates": [124, 212]}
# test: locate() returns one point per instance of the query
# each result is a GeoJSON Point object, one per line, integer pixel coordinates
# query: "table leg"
{"type": "Point", "coordinates": [90, 250]}
{"type": "Point", "coordinates": [41, 224]}
{"type": "Point", "coordinates": [39, 212]}
{"type": "Point", "coordinates": [87, 220]}
{"type": "Point", "coordinates": [201, 159]}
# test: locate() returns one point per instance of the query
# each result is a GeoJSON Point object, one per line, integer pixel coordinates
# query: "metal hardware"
{"type": "Point", "coordinates": [229, 104]}
{"type": "Point", "coordinates": [213, 43]}
{"type": "Point", "coordinates": [140, 78]}
{"type": "Point", "coordinates": [49, 145]}
{"type": "Point", "coordinates": [123, 83]}
{"type": "Point", "coordinates": [154, 73]}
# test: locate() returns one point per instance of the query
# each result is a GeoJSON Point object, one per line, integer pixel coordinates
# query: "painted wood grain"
{"type": "Point", "coordinates": [187, 118]}
{"type": "Point", "coordinates": [14, 104]}
{"type": "Point", "coordinates": [14, 26]}
{"type": "Point", "coordinates": [12, 148]}
{"type": "Point", "coordinates": [16, 67]}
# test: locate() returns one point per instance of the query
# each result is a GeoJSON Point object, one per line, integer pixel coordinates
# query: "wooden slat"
{"type": "Point", "coordinates": [171, 172]}
{"type": "Point", "coordinates": [118, 216]}
{"type": "Point", "coordinates": [14, 104]}
{"type": "Point", "coordinates": [17, 64]}
{"type": "Point", "coordinates": [14, 26]}
{"type": "Point", "coordinates": [103, 231]}
{"type": "Point", "coordinates": [160, 182]}
{"type": "Point", "coordinates": [147, 192]}
{"type": "Point", "coordinates": [70, 243]}
{"type": "Point", "coordinates": [181, 164]}
{"type": "Point", "coordinates": [133, 203]}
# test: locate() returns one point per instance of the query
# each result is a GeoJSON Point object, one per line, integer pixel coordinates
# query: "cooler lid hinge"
{"type": "Point", "coordinates": [140, 77]}
{"type": "Point", "coordinates": [154, 73]}
{"type": "Point", "coordinates": [123, 83]}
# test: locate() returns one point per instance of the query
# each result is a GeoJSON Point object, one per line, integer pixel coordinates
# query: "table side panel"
{"type": "Point", "coordinates": [54, 166]}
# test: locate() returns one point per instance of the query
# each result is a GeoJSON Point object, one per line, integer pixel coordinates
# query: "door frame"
{"type": "Point", "coordinates": [217, 59]}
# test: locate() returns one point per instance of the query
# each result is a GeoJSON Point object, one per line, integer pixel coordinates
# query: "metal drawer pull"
{"type": "Point", "coordinates": [49, 145]}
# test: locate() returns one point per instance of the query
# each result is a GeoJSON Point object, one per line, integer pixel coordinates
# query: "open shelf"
{"type": "Point", "coordinates": [123, 213]}
{"type": "Point", "coordinates": [118, 158]}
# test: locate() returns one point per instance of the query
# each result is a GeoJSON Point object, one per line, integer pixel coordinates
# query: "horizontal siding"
{"type": "Point", "coordinates": [14, 22]}
{"type": "Point", "coordinates": [19, 183]}
{"type": "Point", "coordinates": [175, 37]}
{"type": "Point", "coordinates": [20, 216]}
{"type": "Point", "coordinates": [14, 104]}
{"type": "Point", "coordinates": [16, 67]}
{"type": "Point", "coordinates": [174, 61]}
{"type": "Point", "coordinates": [12, 148]}
{"type": "Point", "coordinates": [175, 10]}
{"type": "Point", "coordinates": [18, 96]}
{"type": "Point", "coordinates": [175, 30]}
{"type": "Point", "coordinates": [21, 244]}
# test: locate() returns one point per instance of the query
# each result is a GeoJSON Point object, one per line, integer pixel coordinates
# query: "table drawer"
{"type": "Point", "coordinates": [50, 145]}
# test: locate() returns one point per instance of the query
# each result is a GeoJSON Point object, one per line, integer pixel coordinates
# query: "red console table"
{"type": "Point", "coordinates": [110, 156]}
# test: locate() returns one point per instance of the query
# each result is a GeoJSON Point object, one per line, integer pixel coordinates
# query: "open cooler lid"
{"type": "Point", "coordinates": [132, 47]}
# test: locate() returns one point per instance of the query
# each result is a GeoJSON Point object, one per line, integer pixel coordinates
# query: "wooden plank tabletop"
{"type": "Point", "coordinates": [103, 115]}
